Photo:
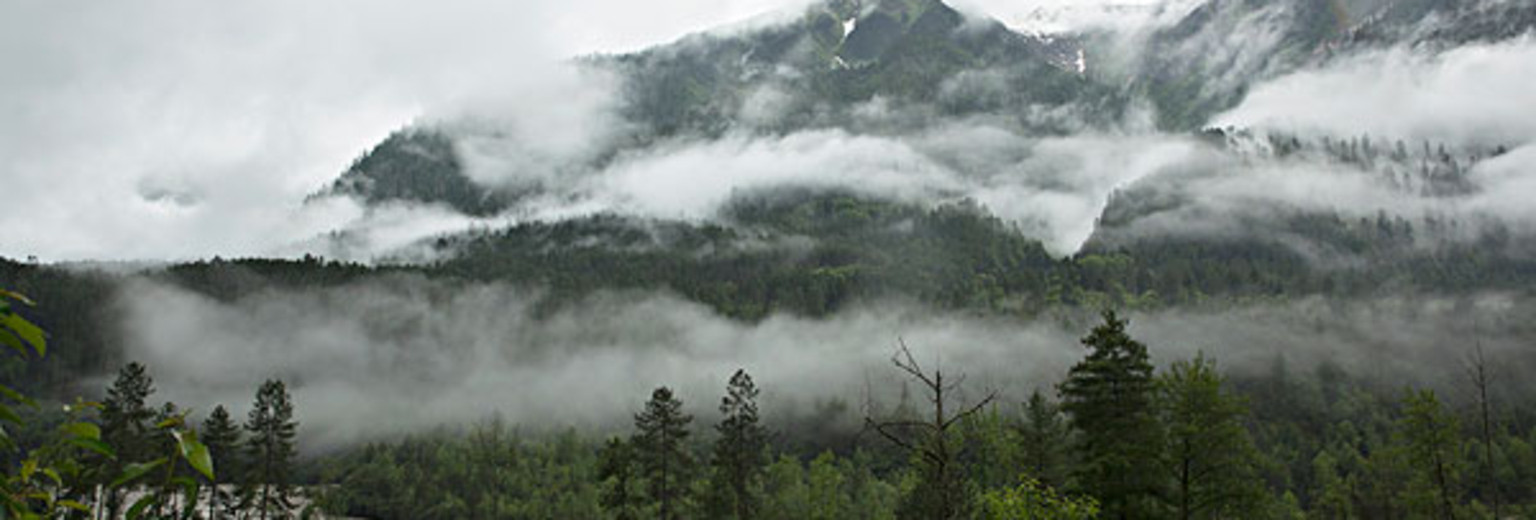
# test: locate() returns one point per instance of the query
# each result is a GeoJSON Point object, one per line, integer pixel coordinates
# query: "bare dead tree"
{"type": "Point", "coordinates": [1482, 378]}
{"type": "Point", "coordinates": [929, 439]}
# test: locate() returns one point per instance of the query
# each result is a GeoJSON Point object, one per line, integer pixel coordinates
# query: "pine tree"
{"type": "Point", "coordinates": [127, 425]}
{"type": "Point", "coordinates": [616, 470]}
{"type": "Point", "coordinates": [825, 483]}
{"type": "Point", "coordinates": [1109, 399]}
{"type": "Point", "coordinates": [1432, 439]}
{"type": "Point", "coordinates": [787, 496]}
{"type": "Point", "coordinates": [222, 436]}
{"type": "Point", "coordinates": [740, 452]}
{"type": "Point", "coordinates": [1045, 437]}
{"type": "Point", "coordinates": [1210, 454]}
{"type": "Point", "coordinates": [126, 418]}
{"type": "Point", "coordinates": [662, 452]}
{"type": "Point", "coordinates": [269, 453]}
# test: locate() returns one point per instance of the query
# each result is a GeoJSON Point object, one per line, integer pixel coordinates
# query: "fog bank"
{"type": "Point", "coordinates": [405, 354]}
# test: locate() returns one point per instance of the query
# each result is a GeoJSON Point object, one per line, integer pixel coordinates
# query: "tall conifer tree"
{"type": "Point", "coordinates": [270, 452]}
{"type": "Point", "coordinates": [127, 426]}
{"type": "Point", "coordinates": [662, 452]}
{"type": "Point", "coordinates": [1045, 438]}
{"type": "Point", "coordinates": [1108, 397]}
{"type": "Point", "coordinates": [222, 437]}
{"type": "Point", "coordinates": [740, 452]}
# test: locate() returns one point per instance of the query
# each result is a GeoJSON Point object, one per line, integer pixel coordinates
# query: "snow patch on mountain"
{"type": "Point", "coordinates": [1046, 17]}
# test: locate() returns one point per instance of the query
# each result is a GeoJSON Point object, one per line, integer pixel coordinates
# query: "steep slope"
{"type": "Point", "coordinates": [818, 71]}
{"type": "Point", "coordinates": [1205, 63]}
{"type": "Point", "coordinates": [415, 165]}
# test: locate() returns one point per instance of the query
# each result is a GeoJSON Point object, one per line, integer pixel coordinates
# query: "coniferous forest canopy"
{"type": "Point", "coordinates": [847, 259]}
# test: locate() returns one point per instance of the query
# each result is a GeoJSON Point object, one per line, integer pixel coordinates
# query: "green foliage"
{"type": "Point", "coordinates": [663, 455]}
{"type": "Point", "coordinates": [267, 488]}
{"type": "Point", "coordinates": [78, 462]}
{"type": "Point", "coordinates": [1032, 500]}
{"type": "Point", "coordinates": [1209, 453]}
{"type": "Point", "coordinates": [1432, 439]}
{"type": "Point", "coordinates": [221, 435]}
{"type": "Point", "coordinates": [418, 165]}
{"type": "Point", "coordinates": [789, 497]}
{"type": "Point", "coordinates": [486, 472]}
{"type": "Point", "coordinates": [1110, 399]}
{"type": "Point", "coordinates": [1045, 441]}
{"type": "Point", "coordinates": [16, 331]}
{"type": "Point", "coordinates": [26, 339]}
{"type": "Point", "coordinates": [740, 453]}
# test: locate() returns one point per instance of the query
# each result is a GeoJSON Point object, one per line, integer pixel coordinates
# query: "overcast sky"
{"type": "Point", "coordinates": [182, 129]}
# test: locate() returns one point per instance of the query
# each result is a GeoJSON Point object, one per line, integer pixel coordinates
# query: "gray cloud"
{"type": "Point", "coordinates": [1471, 95]}
{"type": "Point", "coordinates": [172, 130]}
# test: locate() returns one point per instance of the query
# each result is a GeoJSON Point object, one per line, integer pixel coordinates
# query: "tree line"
{"type": "Point", "coordinates": [1117, 439]}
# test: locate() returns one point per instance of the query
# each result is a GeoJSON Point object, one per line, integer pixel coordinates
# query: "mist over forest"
{"type": "Point", "coordinates": [969, 259]}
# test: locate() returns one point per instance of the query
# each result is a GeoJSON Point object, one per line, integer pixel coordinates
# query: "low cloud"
{"type": "Point", "coordinates": [407, 354]}
{"type": "Point", "coordinates": [1470, 95]}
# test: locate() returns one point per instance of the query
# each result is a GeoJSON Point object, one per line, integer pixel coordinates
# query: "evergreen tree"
{"type": "Point", "coordinates": [269, 453]}
{"type": "Point", "coordinates": [1045, 437]}
{"type": "Point", "coordinates": [740, 453]}
{"type": "Point", "coordinates": [1108, 397]}
{"type": "Point", "coordinates": [825, 483]}
{"type": "Point", "coordinates": [1432, 439]}
{"type": "Point", "coordinates": [788, 498]}
{"type": "Point", "coordinates": [222, 437]}
{"type": "Point", "coordinates": [993, 450]}
{"type": "Point", "coordinates": [126, 418]}
{"type": "Point", "coordinates": [616, 469]}
{"type": "Point", "coordinates": [127, 425]}
{"type": "Point", "coordinates": [1210, 454]}
{"type": "Point", "coordinates": [662, 452]}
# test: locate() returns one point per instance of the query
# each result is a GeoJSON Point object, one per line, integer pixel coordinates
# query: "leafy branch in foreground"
{"type": "Point", "coordinates": [57, 479]}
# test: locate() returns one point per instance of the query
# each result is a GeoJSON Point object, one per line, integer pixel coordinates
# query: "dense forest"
{"type": "Point", "coordinates": [814, 253]}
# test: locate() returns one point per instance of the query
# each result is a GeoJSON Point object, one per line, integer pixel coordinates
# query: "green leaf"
{"type": "Point", "coordinates": [13, 395]}
{"type": "Point", "coordinates": [136, 511]}
{"type": "Point", "coordinates": [93, 445]}
{"type": "Point", "coordinates": [8, 415]}
{"type": "Point", "coordinates": [10, 340]}
{"type": "Point", "coordinates": [134, 471]}
{"type": "Point", "coordinates": [196, 454]}
{"type": "Point", "coordinates": [18, 297]}
{"type": "Point", "coordinates": [75, 506]}
{"type": "Point", "coordinates": [83, 430]}
{"type": "Point", "coordinates": [189, 490]}
{"type": "Point", "coordinates": [27, 331]}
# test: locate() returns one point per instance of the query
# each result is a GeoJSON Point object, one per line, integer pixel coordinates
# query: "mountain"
{"type": "Point", "coordinates": [818, 71]}
{"type": "Point", "coordinates": [927, 69]}
{"type": "Point", "coordinates": [838, 59]}
{"type": "Point", "coordinates": [1205, 63]}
